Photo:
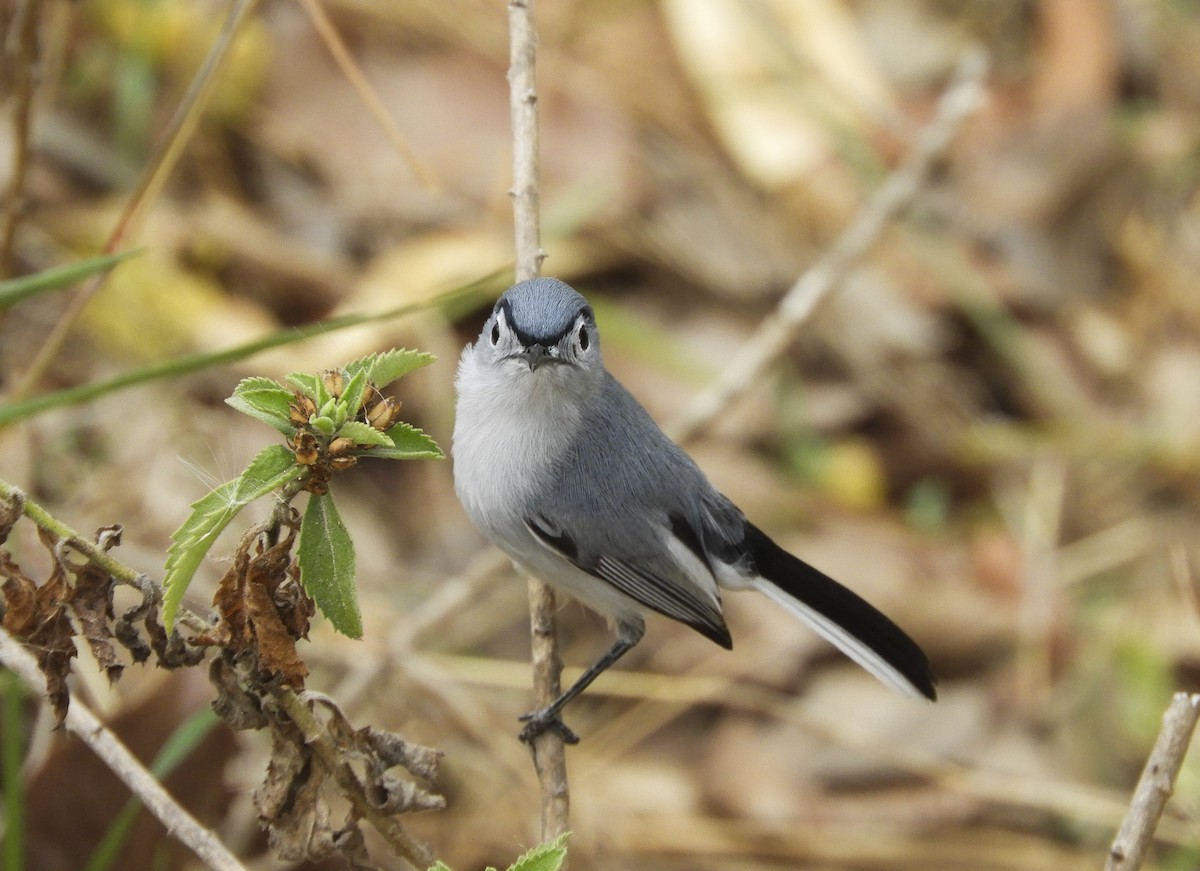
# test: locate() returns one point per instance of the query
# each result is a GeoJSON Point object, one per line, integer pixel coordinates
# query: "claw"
{"type": "Point", "coordinates": [545, 720]}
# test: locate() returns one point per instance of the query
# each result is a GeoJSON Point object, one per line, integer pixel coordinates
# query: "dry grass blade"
{"type": "Point", "coordinates": [341, 55]}
{"type": "Point", "coordinates": [774, 334]}
{"type": "Point", "coordinates": [178, 132]}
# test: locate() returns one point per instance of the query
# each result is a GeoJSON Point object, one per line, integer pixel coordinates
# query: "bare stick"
{"type": "Point", "coordinates": [776, 332]}
{"type": "Point", "coordinates": [1156, 784]}
{"type": "Point", "coordinates": [116, 756]}
{"type": "Point", "coordinates": [549, 756]}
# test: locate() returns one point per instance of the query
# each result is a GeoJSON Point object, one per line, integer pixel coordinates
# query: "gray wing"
{"type": "Point", "coordinates": [629, 507]}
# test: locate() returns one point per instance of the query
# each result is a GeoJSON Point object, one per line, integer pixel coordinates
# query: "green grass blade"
{"type": "Point", "coordinates": [14, 290]}
{"type": "Point", "coordinates": [12, 694]}
{"type": "Point", "coordinates": [197, 362]}
{"type": "Point", "coordinates": [185, 739]}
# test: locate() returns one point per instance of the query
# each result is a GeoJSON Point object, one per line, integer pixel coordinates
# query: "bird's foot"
{"type": "Point", "coordinates": [545, 720]}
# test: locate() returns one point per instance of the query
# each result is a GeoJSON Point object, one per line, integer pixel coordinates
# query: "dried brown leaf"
{"type": "Point", "coordinates": [20, 597]}
{"type": "Point", "coordinates": [10, 512]}
{"type": "Point", "coordinates": [240, 709]}
{"type": "Point", "coordinates": [37, 616]}
{"type": "Point", "coordinates": [125, 630]}
{"type": "Point", "coordinates": [276, 645]}
{"type": "Point", "coordinates": [92, 602]}
{"type": "Point", "coordinates": [108, 537]}
{"type": "Point", "coordinates": [173, 651]}
{"type": "Point", "coordinates": [229, 600]}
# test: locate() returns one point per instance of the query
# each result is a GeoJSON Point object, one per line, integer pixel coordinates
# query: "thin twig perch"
{"type": "Point", "coordinates": [549, 756]}
{"type": "Point", "coordinates": [778, 330]}
{"type": "Point", "coordinates": [1156, 784]}
{"type": "Point", "coordinates": [80, 720]}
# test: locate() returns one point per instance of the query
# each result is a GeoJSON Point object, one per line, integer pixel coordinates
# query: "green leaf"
{"type": "Point", "coordinates": [308, 384]}
{"type": "Point", "coordinates": [383, 369]}
{"type": "Point", "coordinates": [273, 467]}
{"type": "Point", "coordinates": [265, 400]}
{"type": "Point", "coordinates": [440, 866]}
{"type": "Point", "coordinates": [57, 277]}
{"type": "Point", "coordinates": [406, 443]}
{"type": "Point", "coordinates": [326, 556]}
{"type": "Point", "coordinates": [364, 434]}
{"type": "Point", "coordinates": [545, 857]}
{"type": "Point", "coordinates": [353, 393]}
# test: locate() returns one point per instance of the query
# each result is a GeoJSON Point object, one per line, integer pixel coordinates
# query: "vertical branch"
{"type": "Point", "coordinates": [549, 757]}
{"type": "Point", "coordinates": [1155, 785]}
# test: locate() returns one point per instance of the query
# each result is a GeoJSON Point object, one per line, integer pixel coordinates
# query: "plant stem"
{"type": "Point", "coordinates": [549, 752]}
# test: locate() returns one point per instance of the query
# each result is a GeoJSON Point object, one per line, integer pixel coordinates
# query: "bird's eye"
{"type": "Point", "coordinates": [584, 341]}
{"type": "Point", "coordinates": [496, 333]}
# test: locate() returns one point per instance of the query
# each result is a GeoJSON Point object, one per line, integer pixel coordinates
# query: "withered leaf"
{"type": "Point", "coordinates": [240, 709]}
{"type": "Point", "coordinates": [263, 609]}
{"type": "Point", "coordinates": [229, 600]}
{"type": "Point", "coordinates": [37, 616]}
{"type": "Point", "coordinates": [108, 537]}
{"type": "Point", "coordinates": [289, 801]}
{"type": "Point", "coordinates": [92, 602]}
{"type": "Point", "coordinates": [276, 646]}
{"type": "Point", "coordinates": [172, 651]}
{"type": "Point", "coordinates": [125, 630]}
{"type": "Point", "coordinates": [10, 512]}
{"type": "Point", "coordinates": [379, 751]}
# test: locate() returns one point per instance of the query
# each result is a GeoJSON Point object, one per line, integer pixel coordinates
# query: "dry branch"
{"type": "Point", "coordinates": [80, 720]}
{"type": "Point", "coordinates": [778, 330]}
{"type": "Point", "coordinates": [1155, 785]}
{"type": "Point", "coordinates": [549, 753]}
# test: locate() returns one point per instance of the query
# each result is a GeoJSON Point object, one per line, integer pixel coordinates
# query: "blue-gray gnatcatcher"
{"type": "Point", "coordinates": [563, 469]}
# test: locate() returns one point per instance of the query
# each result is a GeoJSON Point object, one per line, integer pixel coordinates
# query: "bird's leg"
{"type": "Point", "coordinates": [629, 633]}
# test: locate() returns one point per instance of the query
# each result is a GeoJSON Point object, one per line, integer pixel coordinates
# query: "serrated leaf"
{"type": "Point", "coordinates": [326, 556]}
{"type": "Point", "coordinates": [544, 857]}
{"type": "Point", "coordinates": [364, 434]}
{"type": "Point", "coordinates": [274, 466]}
{"type": "Point", "coordinates": [382, 369]}
{"type": "Point", "coordinates": [353, 393]}
{"type": "Point", "coordinates": [440, 866]}
{"type": "Point", "coordinates": [308, 384]}
{"type": "Point", "coordinates": [406, 443]}
{"type": "Point", "coordinates": [265, 400]}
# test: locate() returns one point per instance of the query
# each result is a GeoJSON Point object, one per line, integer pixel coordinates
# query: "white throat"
{"type": "Point", "coordinates": [511, 425]}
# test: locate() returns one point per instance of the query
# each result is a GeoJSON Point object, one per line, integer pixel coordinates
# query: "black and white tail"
{"type": "Point", "coordinates": [842, 617]}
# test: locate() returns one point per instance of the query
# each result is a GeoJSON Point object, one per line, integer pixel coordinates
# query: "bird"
{"type": "Point", "coordinates": [557, 464]}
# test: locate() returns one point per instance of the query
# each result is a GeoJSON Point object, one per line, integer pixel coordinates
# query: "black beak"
{"type": "Point", "coordinates": [538, 355]}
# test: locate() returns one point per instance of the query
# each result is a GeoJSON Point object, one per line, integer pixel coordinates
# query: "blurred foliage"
{"type": "Point", "coordinates": [991, 429]}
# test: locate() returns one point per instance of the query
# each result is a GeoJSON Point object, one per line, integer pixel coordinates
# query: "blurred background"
{"type": "Point", "coordinates": [991, 429]}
